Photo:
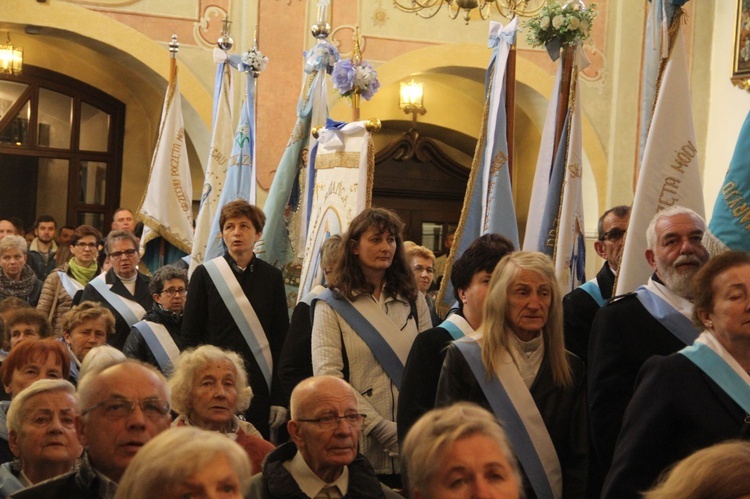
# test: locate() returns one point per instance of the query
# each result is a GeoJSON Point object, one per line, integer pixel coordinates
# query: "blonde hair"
{"type": "Point", "coordinates": [420, 251]}
{"type": "Point", "coordinates": [721, 471]}
{"type": "Point", "coordinates": [495, 331]}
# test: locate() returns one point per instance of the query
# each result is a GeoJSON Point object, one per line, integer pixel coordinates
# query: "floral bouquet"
{"type": "Point", "coordinates": [349, 78]}
{"type": "Point", "coordinates": [558, 25]}
{"type": "Point", "coordinates": [255, 61]}
{"type": "Point", "coordinates": [322, 56]}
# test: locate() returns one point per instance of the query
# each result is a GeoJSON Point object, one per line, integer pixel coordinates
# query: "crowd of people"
{"type": "Point", "coordinates": [121, 383]}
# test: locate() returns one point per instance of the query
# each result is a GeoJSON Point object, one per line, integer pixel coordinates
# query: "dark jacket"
{"type": "Point", "coordinates": [295, 362]}
{"type": "Point", "coordinates": [676, 410]}
{"type": "Point", "coordinates": [42, 269]}
{"type": "Point", "coordinates": [208, 321]}
{"type": "Point", "coordinates": [136, 346]}
{"type": "Point", "coordinates": [563, 411]}
{"type": "Point", "coordinates": [277, 483]}
{"type": "Point", "coordinates": [142, 296]}
{"type": "Point", "coordinates": [80, 484]}
{"type": "Point", "coordinates": [579, 310]}
{"type": "Point", "coordinates": [624, 335]}
{"type": "Point", "coordinates": [420, 380]}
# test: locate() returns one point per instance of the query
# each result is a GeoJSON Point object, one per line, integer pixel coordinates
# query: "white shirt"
{"type": "Point", "coordinates": [309, 482]}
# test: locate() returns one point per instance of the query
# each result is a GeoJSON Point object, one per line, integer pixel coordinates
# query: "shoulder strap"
{"type": "Point", "coordinates": [592, 288]}
{"type": "Point", "coordinates": [718, 370]}
{"type": "Point", "coordinates": [130, 310]}
{"type": "Point", "coordinates": [161, 344]}
{"type": "Point", "coordinates": [541, 479]}
{"type": "Point", "coordinates": [676, 323]}
{"type": "Point", "coordinates": [242, 312]}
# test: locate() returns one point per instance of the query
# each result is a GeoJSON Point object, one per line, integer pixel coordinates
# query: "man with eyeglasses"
{"type": "Point", "coordinates": [156, 338]}
{"type": "Point", "coordinates": [322, 460]}
{"type": "Point", "coordinates": [120, 410]}
{"type": "Point", "coordinates": [122, 289]}
{"type": "Point", "coordinates": [655, 320]}
{"type": "Point", "coordinates": [581, 305]}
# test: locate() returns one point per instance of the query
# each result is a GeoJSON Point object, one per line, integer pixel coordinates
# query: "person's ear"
{"type": "Point", "coordinates": [294, 433]}
{"type": "Point", "coordinates": [13, 443]}
{"type": "Point", "coordinates": [651, 258]}
{"type": "Point", "coordinates": [599, 248]}
{"type": "Point", "coordinates": [81, 430]}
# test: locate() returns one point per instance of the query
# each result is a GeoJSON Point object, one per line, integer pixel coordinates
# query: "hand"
{"type": "Point", "coordinates": [277, 417]}
{"type": "Point", "coordinates": [385, 433]}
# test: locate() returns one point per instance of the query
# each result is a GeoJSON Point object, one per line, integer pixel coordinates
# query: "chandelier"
{"type": "Point", "coordinates": [11, 58]}
{"type": "Point", "coordinates": [506, 8]}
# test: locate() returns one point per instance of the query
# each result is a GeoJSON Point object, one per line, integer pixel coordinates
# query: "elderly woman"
{"type": "Point", "coordinates": [459, 451]}
{"type": "Point", "coordinates": [516, 366]}
{"type": "Point", "coordinates": [29, 361]}
{"type": "Point", "coordinates": [363, 330]}
{"type": "Point", "coordinates": [42, 435]}
{"type": "Point", "coordinates": [422, 263]}
{"type": "Point", "coordinates": [16, 278]}
{"type": "Point", "coordinates": [209, 388]}
{"type": "Point", "coordinates": [84, 327]}
{"type": "Point", "coordinates": [26, 323]}
{"type": "Point", "coordinates": [698, 396]}
{"type": "Point", "coordinates": [187, 462]}
{"type": "Point", "coordinates": [68, 280]}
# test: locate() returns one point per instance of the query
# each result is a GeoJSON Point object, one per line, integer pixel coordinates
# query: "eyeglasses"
{"type": "Point", "coordinates": [153, 408]}
{"type": "Point", "coordinates": [332, 422]}
{"type": "Point", "coordinates": [172, 291]}
{"type": "Point", "coordinates": [419, 269]}
{"type": "Point", "coordinates": [119, 254]}
{"type": "Point", "coordinates": [87, 245]}
{"type": "Point", "coordinates": [613, 235]}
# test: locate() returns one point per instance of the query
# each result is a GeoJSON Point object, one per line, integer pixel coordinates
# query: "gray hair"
{"type": "Point", "coordinates": [164, 274]}
{"type": "Point", "coordinates": [308, 385]}
{"type": "Point", "coordinates": [436, 432]}
{"type": "Point", "coordinates": [16, 411]}
{"type": "Point", "coordinates": [13, 242]}
{"type": "Point", "coordinates": [186, 368]}
{"type": "Point", "coordinates": [117, 235]}
{"type": "Point", "coordinates": [172, 457]}
{"type": "Point", "coordinates": [98, 359]}
{"type": "Point", "coordinates": [651, 239]}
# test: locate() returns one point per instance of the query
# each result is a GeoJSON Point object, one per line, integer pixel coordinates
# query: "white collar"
{"type": "Point", "coordinates": [309, 482]}
{"type": "Point", "coordinates": [708, 339]}
{"type": "Point", "coordinates": [682, 305]}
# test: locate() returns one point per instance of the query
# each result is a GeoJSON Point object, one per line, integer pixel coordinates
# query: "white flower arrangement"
{"type": "Point", "coordinates": [558, 24]}
{"type": "Point", "coordinates": [255, 61]}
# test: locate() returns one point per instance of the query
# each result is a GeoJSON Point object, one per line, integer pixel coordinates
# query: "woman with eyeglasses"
{"type": "Point", "coordinates": [422, 262]}
{"type": "Point", "coordinates": [68, 280]}
{"type": "Point", "coordinates": [209, 388]}
{"type": "Point", "coordinates": [156, 338]}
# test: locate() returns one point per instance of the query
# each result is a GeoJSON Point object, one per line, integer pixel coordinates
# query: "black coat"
{"type": "Point", "coordinates": [563, 411]}
{"type": "Point", "coordinates": [676, 410]}
{"type": "Point", "coordinates": [141, 295]}
{"type": "Point", "coordinates": [579, 310]}
{"type": "Point", "coordinates": [136, 346]}
{"type": "Point", "coordinates": [207, 321]}
{"type": "Point", "coordinates": [295, 362]}
{"type": "Point", "coordinates": [420, 380]}
{"type": "Point", "coordinates": [68, 486]}
{"type": "Point", "coordinates": [624, 335]}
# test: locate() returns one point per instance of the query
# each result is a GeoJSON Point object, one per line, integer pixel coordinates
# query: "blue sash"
{"type": "Point", "coordinates": [452, 329]}
{"type": "Point", "coordinates": [675, 322]}
{"type": "Point", "coordinates": [722, 373]}
{"type": "Point", "coordinates": [509, 419]}
{"type": "Point", "coordinates": [158, 345]}
{"type": "Point", "coordinates": [592, 288]}
{"type": "Point", "coordinates": [117, 301]}
{"type": "Point", "coordinates": [71, 286]}
{"type": "Point", "coordinates": [380, 348]}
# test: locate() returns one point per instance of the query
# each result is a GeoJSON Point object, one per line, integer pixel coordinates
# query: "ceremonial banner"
{"type": "Point", "coordinates": [730, 223]}
{"type": "Point", "coordinates": [669, 175]}
{"type": "Point", "coordinates": [166, 208]}
{"type": "Point", "coordinates": [488, 205]}
{"type": "Point", "coordinates": [218, 159]}
{"type": "Point", "coordinates": [344, 165]}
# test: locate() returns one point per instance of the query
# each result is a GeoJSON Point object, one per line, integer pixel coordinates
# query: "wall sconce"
{"type": "Point", "coordinates": [11, 58]}
{"type": "Point", "coordinates": [410, 99]}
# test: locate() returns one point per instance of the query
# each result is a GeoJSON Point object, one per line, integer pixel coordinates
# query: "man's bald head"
{"type": "Point", "coordinates": [305, 394]}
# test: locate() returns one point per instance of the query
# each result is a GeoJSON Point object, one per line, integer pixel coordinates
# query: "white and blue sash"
{"type": "Point", "coordinates": [242, 312]}
{"type": "Point", "coordinates": [71, 285]}
{"type": "Point", "coordinates": [389, 345]}
{"type": "Point", "coordinates": [312, 294]}
{"type": "Point", "coordinates": [720, 371]}
{"type": "Point", "coordinates": [457, 326]}
{"type": "Point", "coordinates": [160, 343]}
{"type": "Point", "coordinates": [592, 288]}
{"type": "Point", "coordinates": [518, 414]}
{"type": "Point", "coordinates": [130, 310]}
{"type": "Point", "coordinates": [675, 322]}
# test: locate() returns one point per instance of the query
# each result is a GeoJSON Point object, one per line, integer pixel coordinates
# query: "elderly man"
{"type": "Point", "coordinates": [43, 247]}
{"type": "Point", "coordinates": [121, 409]}
{"type": "Point", "coordinates": [581, 305]}
{"type": "Point", "coordinates": [655, 320]}
{"type": "Point", "coordinates": [123, 220]}
{"type": "Point", "coordinates": [322, 458]}
{"type": "Point", "coordinates": [122, 289]}
{"type": "Point", "coordinates": [238, 302]}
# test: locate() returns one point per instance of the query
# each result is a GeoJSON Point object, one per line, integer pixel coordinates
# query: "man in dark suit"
{"type": "Point", "coordinates": [581, 305]}
{"type": "Point", "coordinates": [653, 321]}
{"type": "Point", "coordinates": [122, 289]}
